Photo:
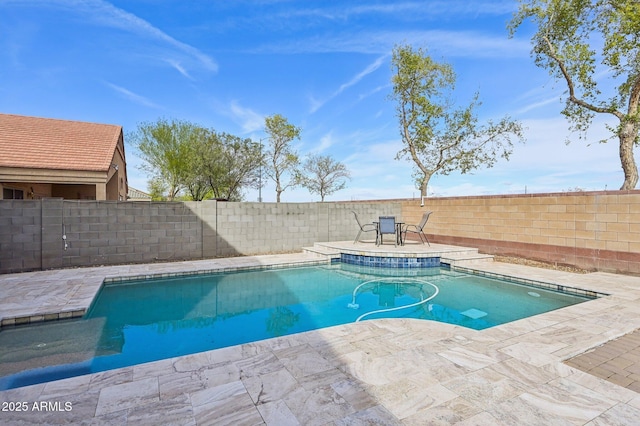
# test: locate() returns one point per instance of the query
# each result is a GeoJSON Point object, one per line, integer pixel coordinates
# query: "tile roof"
{"type": "Point", "coordinates": [137, 194]}
{"type": "Point", "coordinates": [45, 143]}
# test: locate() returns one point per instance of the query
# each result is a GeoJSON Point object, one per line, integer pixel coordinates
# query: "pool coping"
{"type": "Point", "coordinates": [561, 288]}
{"type": "Point", "coordinates": [521, 363]}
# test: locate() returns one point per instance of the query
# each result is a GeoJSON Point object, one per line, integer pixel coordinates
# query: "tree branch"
{"type": "Point", "coordinates": [634, 98]}
{"type": "Point", "coordinates": [572, 95]}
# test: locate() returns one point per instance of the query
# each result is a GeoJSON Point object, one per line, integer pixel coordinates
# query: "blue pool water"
{"type": "Point", "coordinates": [133, 322]}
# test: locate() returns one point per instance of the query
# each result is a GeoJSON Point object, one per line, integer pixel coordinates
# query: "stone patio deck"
{"type": "Point", "coordinates": [391, 371]}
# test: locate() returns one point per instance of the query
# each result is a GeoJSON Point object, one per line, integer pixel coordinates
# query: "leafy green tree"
{"type": "Point", "coordinates": [196, 184]}
{"type": "Point", "coordinates": [226, 164]}
{"type": "Point", "coordinates": [157, 189]}
{"type": "Point", "coordinates": [165, 148]}
{"type": "Point", "coordinates": [281, 160]}
{"type": "Point", "coordinates": [572, 37]}
{"type": "Point", "coordinates": [323, 175]}
{"type": "Point", "coordinates": [438, 138]}
{"type": "Point", "coordinates": [184, 156]}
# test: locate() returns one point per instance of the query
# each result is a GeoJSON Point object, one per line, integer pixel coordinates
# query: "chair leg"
{"type": "Point", "coordinates": [425, 237]}
{"type": "Point", "coordinates": [421, 239]}
{"type": "Point", "coordinates": [357, 237]}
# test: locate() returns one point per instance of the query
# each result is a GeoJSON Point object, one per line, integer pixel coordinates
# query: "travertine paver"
{"type": "Point", "coordinates": [390, 371]}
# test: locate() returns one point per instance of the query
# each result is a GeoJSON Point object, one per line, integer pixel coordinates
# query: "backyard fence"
{"type": "Point", "coordinates": [592, 230]}
{"type": "Point", "coordinates": [55, 233]}
{"type": "Point", "coordinates": [597, 230]}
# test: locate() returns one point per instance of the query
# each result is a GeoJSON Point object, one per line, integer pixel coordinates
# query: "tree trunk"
{"type": "Point", "coordinates": [627, 137]}
{"type": "Point", "coordinates": [423, 184]}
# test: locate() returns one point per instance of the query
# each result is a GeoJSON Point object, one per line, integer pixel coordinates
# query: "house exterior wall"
{"type": "Point", "coordinates": [117, 186]}
{"type": "Point", "coordinates": [68, 184]}
{"type": "Point", "coordinates": [73, 192]}
{"type": "Point", "coordinates": [37, 183]}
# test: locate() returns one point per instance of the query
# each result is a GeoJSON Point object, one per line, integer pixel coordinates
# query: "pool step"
{"type": "Point", "coordinates": [452, 255]}
{"type": "Point", "coordinates": [322, 251]}
{"type": "Point", "coordinates": [468, 257]}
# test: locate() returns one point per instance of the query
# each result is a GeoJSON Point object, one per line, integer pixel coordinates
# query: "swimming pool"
{"type": "Point", "coordinates": [132, 322]}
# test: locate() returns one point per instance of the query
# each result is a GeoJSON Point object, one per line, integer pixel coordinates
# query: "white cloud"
{"type": "Point", "coordinates": [133, 96]}
{"type": "Point", "coordinates": [406, 11]}
{"type": "Point", "coordinates": [369, 192]}
{"type": "Point", "coordinates": [448, 43]}
{"type": "Point", "coordinates": [180, 68]}
{"type": "Point", "coordinates": [543, 164]}
{"type": "Point", "coordinates": [538, 104]}
{"type": "Point", "coordinates": [249, 120]}
{"type": "Point", "coordinates": [374, 91]}
{"type": "Point", "coordinates": [118, 18]}
{"type": "Point", "coordinates": [368, 70]}
{"type": "Point", "coordinates": [436, 9]}
{"type": "Point", "coordinates": [326, 142]}
{"type": "Point", "coordinates": [108, 15]}
{"type": "Point", "coordinates": [376, 160]}
{"type": "Point", "coordinates": [545, 148]}
{"type": "Point", "coordinates": [316, 104]}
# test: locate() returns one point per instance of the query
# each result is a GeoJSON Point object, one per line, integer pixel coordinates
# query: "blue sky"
{"type": "Point", "coordinates": [324, 65]}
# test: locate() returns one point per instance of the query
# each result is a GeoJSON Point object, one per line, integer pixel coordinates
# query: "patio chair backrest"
{"type": "Point", "coordinates": [357, 220]}
{"type": "Point", "coordinates": [423, 222]}
{"type": "Point", "coordinates": [387, 224]}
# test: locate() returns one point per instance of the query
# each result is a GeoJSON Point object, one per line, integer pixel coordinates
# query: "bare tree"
{"type": "Point", "coordinates": [323, 175]}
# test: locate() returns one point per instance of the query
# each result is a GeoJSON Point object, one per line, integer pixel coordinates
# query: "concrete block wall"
{"type": "Point", "coordinates": [258, 228]}
{"type": "Point", "coordinates": [594, 230]}
{"type": "Point", "coordinates": [51, 249]}
{"type": "Point", "coordinates": [252, 228]}
{"type": "Point", "coordinates": [114, 232]}
{"type": "Point", "coordinates": [20, 236]}
{"type": "Point", "coordinates": [97, 233]}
